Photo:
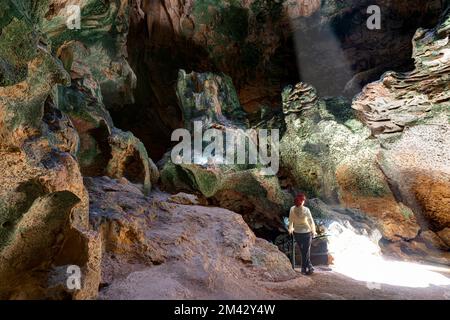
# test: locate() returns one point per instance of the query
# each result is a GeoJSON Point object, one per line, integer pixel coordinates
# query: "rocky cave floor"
{"type": "Point", "coordinates": [147, 283]}
{"type": "Point", "coordinates": [171, 247]}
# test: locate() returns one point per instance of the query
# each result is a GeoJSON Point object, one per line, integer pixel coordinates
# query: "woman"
{"type": "Point", "coordinates": [302, 225]}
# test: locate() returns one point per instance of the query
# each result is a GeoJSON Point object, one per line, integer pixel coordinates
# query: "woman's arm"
{"type": "Point", "coordinates": [311, 223]}
{"type": "Point", "coordinates": [291, 222]}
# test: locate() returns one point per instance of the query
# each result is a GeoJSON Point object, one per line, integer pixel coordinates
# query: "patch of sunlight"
{"type": "Point", "coordinates": [358, 257]}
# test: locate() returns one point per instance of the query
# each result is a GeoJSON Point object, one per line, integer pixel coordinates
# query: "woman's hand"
{"type": "Point", "coordinates": [291, 231]}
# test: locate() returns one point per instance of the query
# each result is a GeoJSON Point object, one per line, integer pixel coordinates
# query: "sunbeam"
{"type": "Point", "coordinates": [359, 257]}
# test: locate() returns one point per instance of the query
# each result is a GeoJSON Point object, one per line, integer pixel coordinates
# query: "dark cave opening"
{"type": "Point", "coordinates": [338, 58]}
{"type": "Point", "coordinates": [156, 61]}
{"type": "Point", "coordinates": [92, 165]}
{"type": "Point", "coordinates": [134, 169]}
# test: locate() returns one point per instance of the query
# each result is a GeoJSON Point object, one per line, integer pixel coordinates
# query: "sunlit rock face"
{"type": "Point", "coordinates": [342, 234]}
{"type": "Point", "coordinates": [355, 250]}
{"type": "Point", "coordinates": [156, 248]}
{"type": "Point", "coordinates": [330, 154]}
{"type": "Point", "coordinates": [409, 113]}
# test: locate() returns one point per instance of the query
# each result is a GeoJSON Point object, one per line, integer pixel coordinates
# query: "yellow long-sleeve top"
{"type": "Point", "coordinates": [301, 221]}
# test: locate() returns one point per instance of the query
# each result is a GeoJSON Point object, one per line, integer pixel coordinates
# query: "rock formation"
{"type": "Point", "coordinates": [212, 100]}
{"type": "Point", "coordinates": [44, 204]}
{"type": "Point", "coordinates": [196, 251]}
{"type": "Point", "coordinates": [408, 113]}
{"type": "Point", "coordinates": [330, 154]}
{"type": "Point", "coordinates": [80, 190]}
{"type": "Point", "coordinates": [263, 45]}
{"type": "Point", "coordinates": [54, 128]}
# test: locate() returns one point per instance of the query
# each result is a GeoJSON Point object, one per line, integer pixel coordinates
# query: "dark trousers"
{"type": "Point", "coordinates": [304, 242]}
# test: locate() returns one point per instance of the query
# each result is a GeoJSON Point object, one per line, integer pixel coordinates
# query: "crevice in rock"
{"type": "Point", "coordinates": [134, 169]}
{"type": "Point", "coordinates": [94, 165]}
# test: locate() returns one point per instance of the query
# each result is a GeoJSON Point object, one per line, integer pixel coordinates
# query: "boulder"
{"type": "Point", "coordinates": [155, 248]}
{"type": "Point", "coordinates": [121, 212]}
{"type": "Point", "coordinates": [258, 198]}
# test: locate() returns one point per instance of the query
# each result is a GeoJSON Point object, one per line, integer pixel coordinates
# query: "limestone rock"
{"type": "Point", "coordinates": [329, 154]}
{"type": "Point", "coordinates": [129, 159]}
{"type": "Point", "coordinates": [421, 96]}
{"type": "Point", "coordinates": [209, 98]}
{"type": "Point", "coordinates": [184, 198]}
{"type": "Point", "coordinates": [445, 236]}
{"type": "Point", "coordinates": [262, 45]}
{"type": "Point", "coordinates": [44, 205]}
{"type": "Point", "coordinates": [241, 188]}
{"type": "Point", "coordinates": [433, 241]}
{"type": "Point", "coordinates": [122, 213]}
{"type": "Point", "coordinates": [108, 23]}
{"type": "Point", "coordinates": [258, 198]}
{"type": "Point", "coordinates": [408, 112]}
{"type": "Point", "coordinates": [103, 149]}
{"type": "Point", "coordinates": [178, 251]}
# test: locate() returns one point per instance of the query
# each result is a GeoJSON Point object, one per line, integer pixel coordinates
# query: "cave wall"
{"type": "Point", "coordinates": [263, 46]}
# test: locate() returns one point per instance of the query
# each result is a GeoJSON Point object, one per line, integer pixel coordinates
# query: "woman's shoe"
{"type": "Point", "coordinates": [304, 271]}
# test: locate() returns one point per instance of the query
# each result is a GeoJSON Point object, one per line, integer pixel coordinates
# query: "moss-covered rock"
{"type": "Point", "coordinates": [44, 205]}
{"type": "Point", "coordinates": [103, 149]}
{"type": "Point", "coordinates": [258, 198]}
{"type": "Point", "coordinates": [209, 98]}
{"type": "Point", "coordinates": [212, 99]}
{"type": "Point", "coordinates": [330, 154]}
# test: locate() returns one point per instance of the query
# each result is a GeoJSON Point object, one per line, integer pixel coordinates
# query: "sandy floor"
{"type": "Point", "coordinates": [331, 285]}
{"type": "Point", "coordinates": [323, 284]}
